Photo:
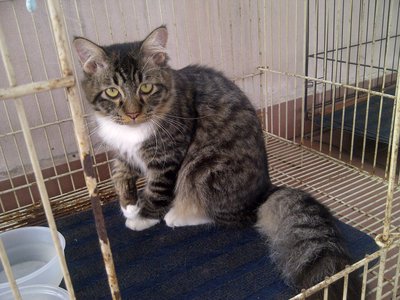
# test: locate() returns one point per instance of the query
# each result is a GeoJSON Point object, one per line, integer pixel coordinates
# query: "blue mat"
{"type": "Point", "coordinates": [201, 262]}
{"type": "Point", "coordinates": [361, 112]}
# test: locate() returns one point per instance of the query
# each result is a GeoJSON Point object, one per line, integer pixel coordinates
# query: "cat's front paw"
{"type": "Point", "coordinates": [130, 211]}
{"type": "Point", "coordinates": [139, 223]}
{"type": "Point", "coordinates": [134, 221]}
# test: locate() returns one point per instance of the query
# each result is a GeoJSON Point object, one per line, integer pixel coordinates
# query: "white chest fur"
{"type": "Point", "coordinates": [125, 139]}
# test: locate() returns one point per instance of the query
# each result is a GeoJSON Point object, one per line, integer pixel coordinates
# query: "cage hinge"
{"type": "Point", "coordinates": [385, 241]}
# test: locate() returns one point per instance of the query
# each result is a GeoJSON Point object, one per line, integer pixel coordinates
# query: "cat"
{"type": "Point", "coordinates": [196, 138]}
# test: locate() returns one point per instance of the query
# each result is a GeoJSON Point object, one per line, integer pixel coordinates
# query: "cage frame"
{"type": "Point", "coordinates": [387, 240]}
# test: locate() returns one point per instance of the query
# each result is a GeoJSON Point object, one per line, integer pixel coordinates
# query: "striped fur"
{"type": "Point", "coordinates": [304, 242]}
{"type": "Point", "coordinates": [197, 140]}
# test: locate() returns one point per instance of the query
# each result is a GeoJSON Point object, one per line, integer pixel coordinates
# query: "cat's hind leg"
{"type": "Point", "coordinates": [185, 212]}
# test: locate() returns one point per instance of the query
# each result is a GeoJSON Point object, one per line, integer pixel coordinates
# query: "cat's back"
{"type": "Point", "coordinates": [214, 93]}
{"type": "Point", "coordinates": [226, 121]}
{"type": "Point", "coordinates": [203, 76]}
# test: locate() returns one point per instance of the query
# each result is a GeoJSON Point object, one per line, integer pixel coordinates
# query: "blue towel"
{"type": "Point", "coordinates": [200, 262]}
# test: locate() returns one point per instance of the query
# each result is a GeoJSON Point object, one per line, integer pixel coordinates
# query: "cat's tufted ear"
{"type": "Point", "coordinates": [92, 57]}
{"type": "Point", "coordinates": [154, 46]}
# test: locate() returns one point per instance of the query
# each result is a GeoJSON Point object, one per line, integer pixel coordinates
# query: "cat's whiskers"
{"type": "Point", "coordinates": [91, 125]}
{"type": "Point", "coordinates": [99, 146]}
{"type": "Point", "coordinates": [159, 125]}
{"type": "Point", "coordinates": [90, 122]}
{"type": "Point", "coordinates": [94, 129]}
{"type": "Point", "coordinates": [190, 118]}
{"type": "Point", "coordinates": [117, 118]}
{"type": "Point", "coordinates": [164, 130]}
{"type": "Point", "coordinates": [177, 125]}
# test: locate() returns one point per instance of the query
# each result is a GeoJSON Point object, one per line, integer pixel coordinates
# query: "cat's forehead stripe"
{"type": "Point", "coordinates": [123, 74]}
{"type": "Point", "coordinates": [132, 74]}
{"type": "Point", "coordinates": [137, 77]}
{"type": "Point", "coordinates": [115, 79]}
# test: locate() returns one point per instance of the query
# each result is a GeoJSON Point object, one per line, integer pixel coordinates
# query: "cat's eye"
{"type": "Point", "coordinates": [112, 92]}
{"type": "Point", "coordinates": [146, 88]}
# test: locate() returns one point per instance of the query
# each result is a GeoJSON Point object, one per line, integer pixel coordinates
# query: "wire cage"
{"type": "Point", "coordinates": [322, 74]}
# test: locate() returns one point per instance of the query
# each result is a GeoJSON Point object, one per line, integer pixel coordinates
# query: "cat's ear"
{"type": "Point", "coordinates": [154, 46]}
{"type": "Point", "coordinates": [92, 57]}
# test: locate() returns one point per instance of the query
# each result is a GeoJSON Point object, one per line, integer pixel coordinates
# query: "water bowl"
{"type": "Point", "coordinates": [38, 292]}
{"type": "Point", "coordinates": [32, 257]}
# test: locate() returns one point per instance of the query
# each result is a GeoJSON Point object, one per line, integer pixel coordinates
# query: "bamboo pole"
{"type": "Point", "coordinates": [81, 135]}
{"type": "Point", "coordinates": [36, 87]}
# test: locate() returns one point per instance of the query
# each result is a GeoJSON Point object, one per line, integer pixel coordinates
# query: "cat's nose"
{"type": "Point", "coordinates": [133, 116]}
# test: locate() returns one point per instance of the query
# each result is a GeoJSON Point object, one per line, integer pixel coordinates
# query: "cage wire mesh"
{"type": "Point", "coordinates": [322, 74]}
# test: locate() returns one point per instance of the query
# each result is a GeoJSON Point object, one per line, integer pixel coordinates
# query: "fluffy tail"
{"type": "Point", "coordinates": [304, 242]}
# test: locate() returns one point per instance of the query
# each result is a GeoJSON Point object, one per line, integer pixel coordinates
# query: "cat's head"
{"type": "Point", "coordinates": [128, 83]}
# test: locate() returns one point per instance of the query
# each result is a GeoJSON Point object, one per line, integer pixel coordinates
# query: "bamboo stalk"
{"type": "Point", "coordinates": [81, 135]}
{"type": "Point", "coordinates": [36, 87]}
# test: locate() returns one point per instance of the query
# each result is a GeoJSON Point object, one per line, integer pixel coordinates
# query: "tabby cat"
{"type": "Point", "coordinates": [195, 136]}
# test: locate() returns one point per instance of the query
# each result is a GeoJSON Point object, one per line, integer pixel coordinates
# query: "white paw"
{"type": "Point", "coordinates": [134, 221]}
{"type": "Point", "coordinates": [130, 211]}
{"type": "Point", "coordinates": [174, 219]}
{"type": "Point", "coordinates": [139, 223]}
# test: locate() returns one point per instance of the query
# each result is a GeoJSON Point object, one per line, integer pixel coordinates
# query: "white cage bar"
{"type": "Point", "coordinates": [309, 66]}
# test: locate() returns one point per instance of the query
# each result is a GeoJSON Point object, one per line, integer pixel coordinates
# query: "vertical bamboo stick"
{"type": "Point", "coordinates": [81, 135]}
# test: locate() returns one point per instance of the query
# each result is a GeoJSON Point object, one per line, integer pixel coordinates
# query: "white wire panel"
{"type": "Point", "coordinates": [339, 90]}
{"type": "Point", "coordinates": [354, 196]}
{"type": "Point", "coordinates": [358, 35]}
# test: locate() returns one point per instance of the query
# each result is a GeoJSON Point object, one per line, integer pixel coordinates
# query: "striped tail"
{"type": "Point", "coordinates": [304, 242]}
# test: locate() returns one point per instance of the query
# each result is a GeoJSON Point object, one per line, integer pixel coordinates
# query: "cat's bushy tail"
{"type": "Point", "coordinates": [304, 242]}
